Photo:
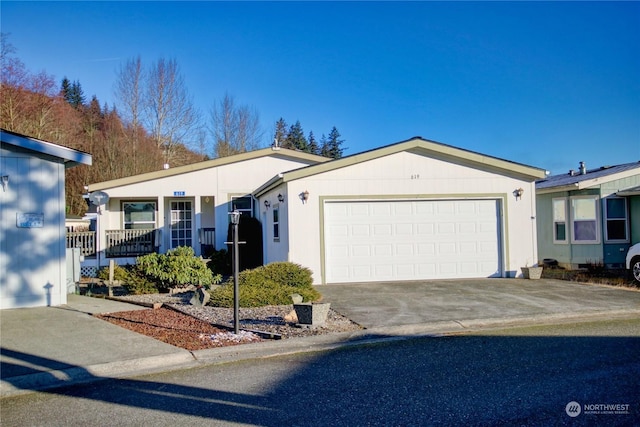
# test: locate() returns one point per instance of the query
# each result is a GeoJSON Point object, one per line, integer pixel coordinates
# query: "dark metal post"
{"type": "Point", "coordinates": [235, 219]}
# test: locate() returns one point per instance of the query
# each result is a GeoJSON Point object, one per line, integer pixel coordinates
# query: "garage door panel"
{"type": "Point", "coordinates": [426, 249]}
{"type": "Point", "coordinates": [411, 240]}
{"type": "Point", "coordinates": [382, 230]}
{"type": "Point", "coordinates": [361, 251]}
{"type": "Point", "coordinates": [428, 229]}
{"type": "Point", "coordinates": [404, 229]}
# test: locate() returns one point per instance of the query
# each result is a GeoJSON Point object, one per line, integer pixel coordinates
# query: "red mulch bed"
{"type": "Point", "coordinates": [174, 328]}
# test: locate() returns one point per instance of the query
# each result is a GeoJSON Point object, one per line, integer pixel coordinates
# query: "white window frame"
{"type": "Point", "coordinates": [248, 211]}
{"type": "Point", "coordinates": [558, 221]}
{"type": "Point", "coordinates": [576, 217]}
{"type": "Point", "coordinates": [152, 224]}
{"type": "Point", "coordinates": [183, 226]}
{"type": "Point", "coordinates": [605, 210]}
{"type": "Point", "coordinates": [275, 216]}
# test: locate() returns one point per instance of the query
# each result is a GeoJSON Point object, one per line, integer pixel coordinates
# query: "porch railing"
{"type": "Point", "coordinates": [127, 243]}
{"type": "Point", "coordinates": [85, 240]}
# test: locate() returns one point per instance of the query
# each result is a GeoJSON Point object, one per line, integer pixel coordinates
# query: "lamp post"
{"type": "Point", "coordinates": [235, 220]}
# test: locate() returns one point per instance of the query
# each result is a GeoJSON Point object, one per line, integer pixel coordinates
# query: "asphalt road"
{"type": "Point", "coordinates": [518, 376]}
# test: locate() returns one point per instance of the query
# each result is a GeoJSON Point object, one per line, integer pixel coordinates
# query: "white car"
{"type": "Point", "coordinates": [633, 261]}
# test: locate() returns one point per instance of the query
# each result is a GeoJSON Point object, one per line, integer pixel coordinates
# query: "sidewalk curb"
{"type": "Point", "coordinates": [183, 359]}
{"type": "Point", "coordinates": [45, 380]}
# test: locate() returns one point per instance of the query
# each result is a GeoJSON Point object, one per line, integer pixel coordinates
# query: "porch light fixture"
{"type": "Point", "coordinates": [304, 196]}
{"type": "Point", "coordinates": [518, 193]}
{"type": "Point", "coordinates": [5, 182]}
{"type": "Point", "coordinates": [235, 217]}
{"type": "Point", "coordinates": [280, 198]}
{"type": "Point", "coordinates": [267, 204]}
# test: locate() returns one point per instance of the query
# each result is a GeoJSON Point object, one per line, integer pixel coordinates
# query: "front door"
{"type": "Point", "coordinates": [181, 223]}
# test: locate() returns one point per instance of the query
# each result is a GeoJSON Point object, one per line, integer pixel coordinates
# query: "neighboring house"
{"type": "Point", "coordinates": [589, 217]}
{"type": "Point", "coordinates": [413, 210]}
{"type": "Point", "coordinates": [183, 206]}
{"type": "Point", "coordinates": [409, 211]}
{"type": "Point", "coordinates": [32, 220]}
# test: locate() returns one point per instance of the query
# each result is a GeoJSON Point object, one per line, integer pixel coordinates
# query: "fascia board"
{"type": "Point", "coordinates": [429, 149]}
{"type": "Point", "coordinates": [194, 167]}
{"type": "Point", "coordinates": [70, 156]}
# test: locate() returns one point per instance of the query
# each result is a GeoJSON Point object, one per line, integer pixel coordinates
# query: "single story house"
{"type": "Point", "coordinates": [589, 217]}
{"type": "Point", "coordinates": [413, 210]}
{"type": "Point", "coordinates": [32, 220]}
{"type": "Point", "coordinates": [182, 206]}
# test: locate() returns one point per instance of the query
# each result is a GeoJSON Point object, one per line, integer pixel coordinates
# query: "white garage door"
{"type": "Point", "coordinates": [411, 240]}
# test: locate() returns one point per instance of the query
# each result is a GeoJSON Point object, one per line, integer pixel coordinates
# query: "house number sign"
{"type": "Point", "coordinates": [179, 193]}
{"type": "Point", "coordinates": [30, 220]}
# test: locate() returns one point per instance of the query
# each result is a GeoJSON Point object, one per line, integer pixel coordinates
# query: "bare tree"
{"type": "Point", "coordinates": [234, 129]}
{"type": "Point", "coordinates": [171, 116]}
{"type": "Point", "coordinates": [128, 91]}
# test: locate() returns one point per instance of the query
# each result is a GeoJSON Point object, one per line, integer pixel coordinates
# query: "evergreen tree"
{"type": "Point", "coordinates": [281, 132]}
{"type": "Point", "coordinates": [295, 139]}
{"type": "Point", "coordinates": [72, 93]}
{"type": "Point", "coordinates": [313, 144]}
{"type": "Point", "coordinates": [324, 147]}
{"type": "Point", "coordinates": [65, 89]}
{"type": "Point", "coordinates": [333, 145]}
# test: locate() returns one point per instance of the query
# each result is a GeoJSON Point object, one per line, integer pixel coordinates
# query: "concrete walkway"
{"type": "Point", "coordinates": [54, 346]}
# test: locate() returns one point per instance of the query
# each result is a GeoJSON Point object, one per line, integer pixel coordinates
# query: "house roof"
{"type": "Point", "coordinates": [70, 156]}
{"type": "Point", "coordinates": [591, 177]}
{"type": "Point", "coordinates": [416, 145]}
{"type": "Point", "coordinates": [271, 151]}
{"type": "Point", "coordinates": [633, 191]}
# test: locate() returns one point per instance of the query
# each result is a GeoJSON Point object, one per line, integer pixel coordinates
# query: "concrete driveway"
{"type": "Point", "coordinates": [476, 302]}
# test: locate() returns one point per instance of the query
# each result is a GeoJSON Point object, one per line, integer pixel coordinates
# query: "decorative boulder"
{"type": "Point", "coordinates": [314, 314]}
{"type": "Point", "coordinates": [200, 297]}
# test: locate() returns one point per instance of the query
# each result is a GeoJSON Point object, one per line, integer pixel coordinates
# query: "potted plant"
{"type": "Point", "coordinates": [534, 272]}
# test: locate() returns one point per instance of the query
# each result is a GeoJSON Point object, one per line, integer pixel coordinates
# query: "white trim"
{"type": "Point", "coordinates": [554, 222]}
{"type": "Point", "coordinates": [572, 219]}
{"type": "Point", "coordinates": [605, 214]}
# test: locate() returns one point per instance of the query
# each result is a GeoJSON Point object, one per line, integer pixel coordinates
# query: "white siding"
{"type": "Point", "coordinates": [32, 260]}
{"type": "Point", "coordinates": [409, 176]}
{"type": "Point", "coordinates": [220, 183]}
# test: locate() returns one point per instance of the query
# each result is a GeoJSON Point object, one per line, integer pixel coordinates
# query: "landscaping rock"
{"type": "Point", "coordinates": [200, 297]}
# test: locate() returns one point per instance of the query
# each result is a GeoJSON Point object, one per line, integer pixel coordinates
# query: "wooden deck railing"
{"type": "Point", "coordinates": [127, 243]}
{"type": "Point", "coordinates": [85, 240]}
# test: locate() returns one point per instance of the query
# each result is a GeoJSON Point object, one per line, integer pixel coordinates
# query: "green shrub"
{"type": "Point", "coordinates": [272, 284]}
{"type": "Point", "coordinates": [178, 267]}
{"type": "Point", "coordinates": [220, 262]}
{"type": "Point", "coordinates": [131, 278]}
{"type": "Point", "coordinates": [119, 273]}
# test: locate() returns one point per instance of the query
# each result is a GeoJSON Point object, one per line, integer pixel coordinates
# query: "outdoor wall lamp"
{"type": "Point", "coordinates": [518, 193]}
{"type": "Point", "coordinates": [5, 182]}
{"type": "Point", "coordinates": [267, 204]}
{"type": "Point", "coordinates": [304, 196]}
{"type": "Point", "coordinates": [280, 198]}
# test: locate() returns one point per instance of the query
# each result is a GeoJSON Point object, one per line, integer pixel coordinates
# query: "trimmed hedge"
{"type": "Point", "coordinates": [271, 284]}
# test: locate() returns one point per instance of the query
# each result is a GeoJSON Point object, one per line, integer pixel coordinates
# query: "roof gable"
{"type": "Point", "coordinates": [70, 156]}
{"type": "Point", "coordinates": [420, 146]}
{"type": "Point", "coordinates": [591, 178]}
{"type": "Point", "coordinates": [304, 158]}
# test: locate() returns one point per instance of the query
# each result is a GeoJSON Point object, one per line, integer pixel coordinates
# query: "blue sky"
{"type": "Point", "coordinates": [548, 84]}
